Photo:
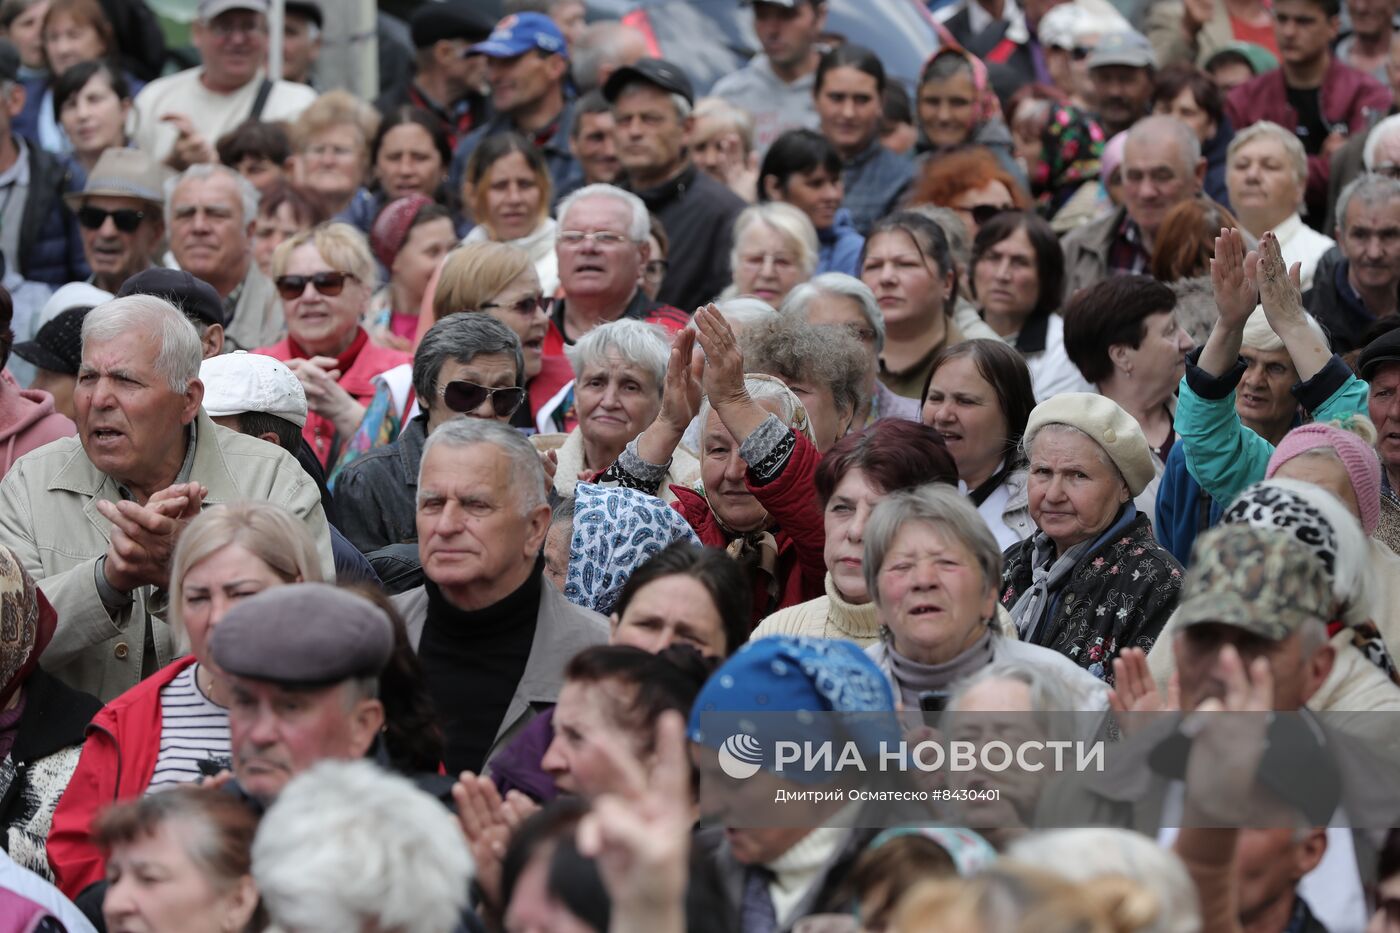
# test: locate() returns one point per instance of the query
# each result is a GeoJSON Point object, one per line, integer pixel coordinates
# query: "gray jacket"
{"type": "Point", "coordinates": [1086, 251]}
{"type": "Point", "coordinates": [562, 630]}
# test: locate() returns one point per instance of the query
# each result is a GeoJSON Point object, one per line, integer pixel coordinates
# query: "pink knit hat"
{"type": "Point", "coordinates": [390, 230]}
{"type": "Point", "coordinates": [1357, 456]}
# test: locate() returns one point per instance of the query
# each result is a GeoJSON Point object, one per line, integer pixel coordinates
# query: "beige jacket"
{"type": "Point", "coordinates": [1170, 42]}
{"type": "Point", "coordinates": [49, 518]}
{"type": "Point", "coordinates": [257, 315]}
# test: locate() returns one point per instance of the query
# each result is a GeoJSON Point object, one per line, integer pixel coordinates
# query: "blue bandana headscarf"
{"type": "Point", "coordinates": [616, 530]}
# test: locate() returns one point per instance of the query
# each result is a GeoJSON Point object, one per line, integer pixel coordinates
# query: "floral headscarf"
{"type": "Point", "coordinates": [27, 624]}
{"type": "Point", "coordinates": [616, 530]}
{"type": "Point", "coordinates": [1071, 146]}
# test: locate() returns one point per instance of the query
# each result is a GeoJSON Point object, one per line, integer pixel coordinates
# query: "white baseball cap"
{"type": "Point", "coordinates": [241, 381]}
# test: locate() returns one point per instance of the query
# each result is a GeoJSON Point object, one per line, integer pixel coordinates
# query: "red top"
{"type": "Point", "coordinates": [1259, 35]}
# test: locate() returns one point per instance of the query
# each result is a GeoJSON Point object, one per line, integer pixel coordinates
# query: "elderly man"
{"type": "Point", "coordinates": [193, 297]}
{"type": "Point", "coordinates": [492, 633]}
{"type": "Point", "coordinates": [210, 211]}
{"type": "Point", "coordinates": [95, 519]}
{"type": "Point", "coordinates": [1162, 167]}
{"type": "Point", "coordinates": [652, 103]}
{"type": "Point", "coordinates": [776, 86]}
{"type": "Point", "coordinates": [447, 81]}
{"type": "Point", "coordinates": [1121, 68]}
{"type": "Point", "coordinates": [527, 64]}
{"type": "Point", "coordinates": [119, 216]}
{"type": "Point", "coordinates": [467, 364]}
{"type": "Point", "coordinates": [179, 117]}
{"type": "Point", "coordinates": [1379, 365]}
{"type": "Point", "coordinates": [1357, 282]}
{"type": "Point", "coordinates": [303, 663]}
{"type": "Point", "coordinates": [1350, 160]}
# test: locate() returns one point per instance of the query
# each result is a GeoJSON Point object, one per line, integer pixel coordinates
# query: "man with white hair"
{"type": "Point", "coordinates": [492, 633]}
{"type": "Point", "coordinates": [1357, 282]}
{"type": "Point", "coordinates": [209, 212]}
{"type": "Point", "coordinates": [1162, 167]}
{"type": "Point", "coordinates": [95, 518]}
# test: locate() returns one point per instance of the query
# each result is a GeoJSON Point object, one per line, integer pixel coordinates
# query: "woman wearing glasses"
{"type": "Point", "coordinates": [507, 189]}
{"type": "Point", "coordinates": [1016, 276]}
{"type": "Point", "coordinates": [332, 139]}
{"type": "Point", "coordinates": [325, 278]}
{"type": "Point", "coordinates": [971, 182]}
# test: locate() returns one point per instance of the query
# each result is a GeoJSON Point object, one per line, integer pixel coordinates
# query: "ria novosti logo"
{"type": "Point", "coordinates": [740, 756]}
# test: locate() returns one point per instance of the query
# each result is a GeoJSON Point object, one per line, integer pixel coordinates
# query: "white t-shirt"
{"type": "Point", "coordinates": [212, 114]}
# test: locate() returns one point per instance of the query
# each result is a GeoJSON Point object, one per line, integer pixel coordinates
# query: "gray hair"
{"type": "Point", "coordinates": [745, 310]}
{"type": "Point", "coordinates": [526, 471]}
{"type": "Point", "coordinates": [462, 337]}
{"type": "Point", "coordinates": [760, 390]}
{"type": "Point", "coordinates": [248, 195]}
{"type": "Point", "coordinates": [634, 342]}
{"type": "Point", "coordinates": [1390, 125]}
{"type": "Point", "coordinates": [1059, 427]}
{"type": "Point", "coordinates": [787, 221]}
{"type": "Point", "coordinates": [838, 285]}
{"type": "Point", "coordinates": [1051, 691]}
{"type": "Point", "coordinates": [180, 352]}
{"type": "Point", "coordinates": [1290, 143]}
{"type": "Point", "coordinates": [944, 508]}
{"type": "Point", "coordinates": [1187, 144]}
{"type": "Point", "coordinates": [1373, 190]}
{"type": "Point", "coordinates": [727, 117]}
{"type": "Point", "coordinates": [954, 229]}
{"type": "Point", "coordinates": [795, 351]}
{"type": "Point", "coordinates": [600, 44]}
{"type": "Point", "coordinates": [352, 846]}
{"type": "Point", "coordinates": [637, 230]}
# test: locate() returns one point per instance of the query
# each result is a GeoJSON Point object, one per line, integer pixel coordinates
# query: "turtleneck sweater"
{"type": "Point", "coordinates": [829, 616]}
{"type": "Point", "coordinates": [473, 661]}
{"type": "Point", "coordinates": [914, 677]}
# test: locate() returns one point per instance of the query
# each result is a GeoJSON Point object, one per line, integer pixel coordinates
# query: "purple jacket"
{"type": "Point", "coordinates": [517, 766]}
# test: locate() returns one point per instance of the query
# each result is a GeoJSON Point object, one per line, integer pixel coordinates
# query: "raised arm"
{"type": "Point", "coordinates": [1282, 297]}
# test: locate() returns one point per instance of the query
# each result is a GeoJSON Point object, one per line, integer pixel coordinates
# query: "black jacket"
{"type": "Point", "coordinates": [377, 492]}
{"type": "Point", "coordinates": [50, 249]}
{"type": "Point", "coordinates": [1337, 308]}
{"type": "Point", "coordinates": [698, 214]}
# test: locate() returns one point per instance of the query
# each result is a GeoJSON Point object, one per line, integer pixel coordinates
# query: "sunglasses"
{"type": "Point", "coordinates": [329, 284]}
{"type": "Point", "coordinates": [466, 397]}
{"type": "Point", "coordinates": [525, 307]}
{"type": "Point", "coordinates": [126, 219]}
{"type": "Point", "coordinates": [982, 213]}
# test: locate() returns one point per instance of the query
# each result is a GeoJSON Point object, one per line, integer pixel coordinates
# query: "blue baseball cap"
{"type": "Point", "coordinates": [519, 33]}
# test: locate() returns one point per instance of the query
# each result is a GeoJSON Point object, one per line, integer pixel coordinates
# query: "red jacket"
{"type": "Point", "coordinates": [117, 762]}
{"type": "Point", "coordinates": [791, 501]}
{"type": "Point", "coordinates": [1348, 96]}
{"type": "Point", "coordinates": [357, 380]}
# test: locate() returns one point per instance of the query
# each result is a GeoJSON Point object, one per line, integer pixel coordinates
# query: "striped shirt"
{"type": "Point", "coordinates": [193, 729]}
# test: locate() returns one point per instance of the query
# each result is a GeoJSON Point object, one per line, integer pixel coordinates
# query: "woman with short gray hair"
{"type": "Point", "coordinates": [1266, 172]}
{"type": "Point", "coordinates": [934, 569]}
{"type": "Point", "coordinates": [619, 371]}
{"type": "Point", "coordinates": [775, 248]}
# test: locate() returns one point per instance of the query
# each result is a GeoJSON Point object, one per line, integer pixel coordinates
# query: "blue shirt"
{"type": "Point", "coordinates": [876, 180]}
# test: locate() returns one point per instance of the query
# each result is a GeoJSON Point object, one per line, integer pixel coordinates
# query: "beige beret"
{"type": "Point", "coordinates": [1117, 432]}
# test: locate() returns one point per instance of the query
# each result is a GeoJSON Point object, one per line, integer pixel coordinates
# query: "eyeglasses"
{"type": "Point", "coordinates": [983, 213]}
{"type": "Point", "coordinates": [126, 219]}
{"type": "Point", "coordinates": [230, 27]}
{"type": "Point", "coordinates": [466, 397]}
{"type": "Point", "coordinates": [525, 307]}
{"type": "Point", "coordinates": [1388, 169]}
{"type": "Point", "coordinates": [600, 238]}
{"type": "Point", "coordinates": [329, 284]}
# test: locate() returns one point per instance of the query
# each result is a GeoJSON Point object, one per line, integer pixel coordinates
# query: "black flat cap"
{"type": "Point", "coordinates": [311, 9]}
{"type": "Point", "coordinates": [58, 347]}
{"type": "Point", "coordinates": [455, 19]}
{"type": "Point", "coordinates": [195, 298]}
{"type": "Point", "coordinates": [656, 71]}
{"type": "Point", "coordinates": [305, 635]}
{"type": "Point", "coordinates": [1384, 349]}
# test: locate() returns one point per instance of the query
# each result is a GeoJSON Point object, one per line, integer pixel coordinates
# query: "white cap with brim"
{"type": "Point", "coordinates": [1108, 425]}
{"type": "Point", "coordinates": [240, 382]}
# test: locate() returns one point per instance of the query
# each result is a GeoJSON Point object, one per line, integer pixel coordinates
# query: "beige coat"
{"type": "Point", "coordinates": [1169, 40]}
{"type": "Point", "coordinates": [49, 518]}
{"type": "Point", "coordinates": [257, 317]}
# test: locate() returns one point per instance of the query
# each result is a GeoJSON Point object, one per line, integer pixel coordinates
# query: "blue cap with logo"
{"type": "Point", "coordinates": [519, 33]}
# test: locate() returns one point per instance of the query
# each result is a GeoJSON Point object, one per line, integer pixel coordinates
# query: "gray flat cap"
{"type": "Point", "coordinates": [303, 634]}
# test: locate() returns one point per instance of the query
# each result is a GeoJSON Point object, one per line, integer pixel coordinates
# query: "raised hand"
{"type": "Point", "coordinates": [1280, 288]}
{"type": "Point", "coordinates": [190, 146]}
{"type": "Point", "coordinates": [724, 361]}
{"type": "Point", "coordinates": [488, 821]}
{"type": "Point", "coordinates": [681, 393]}
{"type": "Point", "coordinates": [1226, 749]}
{"type": "Point", "coordinates": [1134, 689]}
{"type": "Point", "coordinates": [1236, 294]}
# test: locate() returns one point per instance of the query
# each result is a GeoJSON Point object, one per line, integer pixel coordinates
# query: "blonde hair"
{"type": "Point", "coordinates": [474, 274]}
{"type": "Point", "coordinates": [342, 247]}
{"type": "Point", "coordinates": [333, 109]}
{"type": "Point", "coordinates": [789, 222]}
{"type": "Point", "coordinates": [270, 533]}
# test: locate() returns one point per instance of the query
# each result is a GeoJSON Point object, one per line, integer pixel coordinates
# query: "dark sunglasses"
{"type": "Point", "coordinates": [329, 284]}
{"type": "Point", "coordinates": [126, 219]}
{"type": "Point", "coordinates": [983, 213]}
{"type": "Point", "coordinates": [525, 307]}
{"type": "Point", "coordinates": [466, 397]}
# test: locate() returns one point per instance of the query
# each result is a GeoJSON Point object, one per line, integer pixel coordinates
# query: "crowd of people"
{"type": "Point", "coordinates": [392, 489]}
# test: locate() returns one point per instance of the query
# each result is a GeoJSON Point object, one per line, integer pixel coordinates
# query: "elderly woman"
{"type": "Point", "coordinates": [409, 238]}
{"type": "Point", "coordinates": [325, 277]}
{"type": "Point", "coordinates": [619, 373]}
{"type": "Point", "coordinates": [507, 188]}
{"type": "Point", "coordinates": [933, 570]}
{"type": "Point", "coordinates": [979, 399]}
{"type": "Point", "coordinates": [161, 731]}
{"type": "Point", "coordinates": [1088, 459]}
{"type": "Point", "coordinates": [1016, 277]}
{"type": "Point", "coordinates": [775, 248]}
{"type": "Point", "coordinates": [908, 265]}
{"type": "Point", "coordinates": [198, 842]}
{"type": "Point", "coordinates": [838, 300]}
{"type": "Point", "coordinates": [757, 463]}
{"type": "Point", "coordinates": [1123, 335]}
{"type": "Point", "coordinates": [826, 369]}
{"type": "Point", "coordinates": [331, 142]}
{"type": "Point", "coordinates": [91, 102]}
{"type": "Point", "coordinates": [972, 183]}
{"type": "Point", "coordinates": [957, 108]}
{"type": "Point", "coordinates": [1266, 171]}
{"type": "Point", "coordinates": [803, 169]}
{"type": "Point", "coordinates": [853, 478]}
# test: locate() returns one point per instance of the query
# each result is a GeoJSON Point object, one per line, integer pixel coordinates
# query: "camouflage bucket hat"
{"type": "Point", "coordinates": [1259, 580]}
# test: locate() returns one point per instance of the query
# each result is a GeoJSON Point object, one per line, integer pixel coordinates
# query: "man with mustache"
{"type": "Point", "coordinates": [1357, 282]}
{"type": "Point", "coordinates": [1121, 68]}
